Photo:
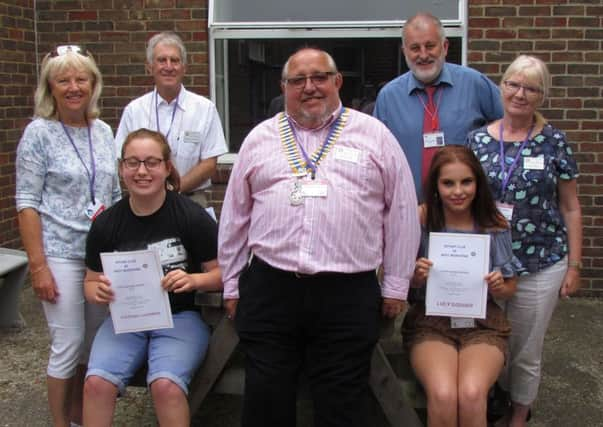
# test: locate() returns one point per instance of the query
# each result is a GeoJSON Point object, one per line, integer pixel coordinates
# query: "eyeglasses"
{"type": "Point", "coordinates": [513, 87]}
{"type": "Point", "coordinates": [65, 49]}
{"type": "Point", "coordinates": [317, 79]}
{"type": "Point", "coordinates": [150, 163]}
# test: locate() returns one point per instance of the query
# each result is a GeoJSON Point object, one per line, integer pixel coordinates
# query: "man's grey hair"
{"type": "Point", "coordinates": [168, 38]}
{"type": "Point", "coordinates": [423, 18]}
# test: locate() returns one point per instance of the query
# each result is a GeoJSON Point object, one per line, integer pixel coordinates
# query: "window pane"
{"type": "Point", "coordinates": [221, 83]}
{"type": "Point", "coordinates": [254, 72]}
{"type": "Point", "coordinates": [319, 10]}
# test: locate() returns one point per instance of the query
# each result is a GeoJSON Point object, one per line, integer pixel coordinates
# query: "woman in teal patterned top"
{"type": "Point", "coordinates": [532, 175]}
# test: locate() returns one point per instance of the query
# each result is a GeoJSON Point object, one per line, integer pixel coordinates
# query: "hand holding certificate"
{"type": "Point", "coordinates": [140, 303]}
{"type": "Point", "coordinates": [456, 286]}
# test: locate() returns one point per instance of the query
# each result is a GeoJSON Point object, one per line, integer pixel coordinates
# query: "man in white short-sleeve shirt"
{"type": "Point", "coordinates": [189, 121]}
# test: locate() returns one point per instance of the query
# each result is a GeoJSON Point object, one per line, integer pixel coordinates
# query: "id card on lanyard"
{"type": "Point", "coordinates": [433, 137]}
{"type": "Point", "coordinates": [304, 167]}
{"type": "Point", "coordinates": [314, 188]}
{"type": "Point", "coordinates": [462, 322]}
{"type": "Point", "coordinates": [506, 209]}
{"type": "Point", "coordinates": [94, 207]}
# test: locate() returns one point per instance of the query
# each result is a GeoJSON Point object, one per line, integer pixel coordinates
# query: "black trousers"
{"type": "Point", "coordinates": [327, 324]}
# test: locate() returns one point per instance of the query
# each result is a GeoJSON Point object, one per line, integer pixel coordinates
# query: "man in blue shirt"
{"type": "Point", "coordinates": [464, 99]}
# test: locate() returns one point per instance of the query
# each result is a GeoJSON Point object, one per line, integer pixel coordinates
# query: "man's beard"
{"type": "Point", "coordinates": [427, 76]}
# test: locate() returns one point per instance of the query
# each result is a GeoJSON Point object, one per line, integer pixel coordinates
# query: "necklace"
{"type": "Point", "coordinates": [306, 164]}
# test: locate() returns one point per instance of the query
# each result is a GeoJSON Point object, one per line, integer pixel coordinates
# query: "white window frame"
{"type": "Point", "coordinates": [311, 29]}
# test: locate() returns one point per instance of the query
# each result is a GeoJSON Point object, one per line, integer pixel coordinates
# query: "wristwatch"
{"type": "Point", "coordinates": [576, 264]}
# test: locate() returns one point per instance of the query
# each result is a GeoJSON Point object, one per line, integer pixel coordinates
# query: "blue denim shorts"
{"type": "Point", "coordinates": [173, 353]}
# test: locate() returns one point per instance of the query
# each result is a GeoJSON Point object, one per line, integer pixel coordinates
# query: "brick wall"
{"type": "Point", "coordinates": [17, 83]}
{"type": "Point", "coordinates": [567, 35]}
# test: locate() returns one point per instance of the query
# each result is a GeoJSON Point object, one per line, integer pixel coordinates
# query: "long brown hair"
{"type": "Point", "coordinates": [172, 182]}
{"type": "Point", "coordinates": [483, 209]}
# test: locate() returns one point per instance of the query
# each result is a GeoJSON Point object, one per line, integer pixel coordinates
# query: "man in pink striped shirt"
{"type": "Point", "coordinates": [320, 196]}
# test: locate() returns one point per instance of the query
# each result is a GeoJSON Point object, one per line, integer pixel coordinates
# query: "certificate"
{"type": "Point", "coordinates": [140, 303]}
{"type": "Point", "coordinates": [456, 285]}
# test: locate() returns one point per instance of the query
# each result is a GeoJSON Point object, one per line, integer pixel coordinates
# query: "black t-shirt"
{"type": "Point", "coordinates": [184, 233]}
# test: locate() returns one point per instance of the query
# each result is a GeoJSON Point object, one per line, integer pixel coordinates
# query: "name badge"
{"type": "Point", "coordinates": [94, 209]}
{"type": "Point", "coordinates": [462, 322]}
{"type": "Point", "coordinates": [533, 163]}
{"type": "Point", "coordinates": [314, 189]}
{"type": "Point", "coordinates": [347, 154]}
{"type": "Point", "coordinates": [191, 137]}
{"type": "Point", "coordinates": [433, 139]}
{"type": "Point", "coordinates": [506, 210]}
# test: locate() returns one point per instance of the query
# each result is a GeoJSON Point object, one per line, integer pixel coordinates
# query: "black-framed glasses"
{"type": "Point", "coordinates": [513, 87]}
{"type": "Point", "coordinates": [66, 48]}
{"type": "Point", "coordinates": [133, 163]}
{"type": "Point", "coordinates": [317, 79]}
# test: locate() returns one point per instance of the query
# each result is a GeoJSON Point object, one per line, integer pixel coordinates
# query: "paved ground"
{"type": "Point", "coordinates": [571, 394]}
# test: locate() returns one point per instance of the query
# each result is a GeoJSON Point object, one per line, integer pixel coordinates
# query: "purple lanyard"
{"type": "Point", "coordinates": [509, 172]}
{"type": "Point", "coordinates": [91, 176]}
{"type": "Point", "coordinates": [309, 163]}
{"type": "Point", "coordinates": [157, 116]}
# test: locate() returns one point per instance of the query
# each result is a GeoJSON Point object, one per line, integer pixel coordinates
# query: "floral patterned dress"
{"type": "Point", "coordinates": [538, 230]}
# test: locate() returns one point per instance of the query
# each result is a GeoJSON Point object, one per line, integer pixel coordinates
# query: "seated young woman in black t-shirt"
{"type": "Point", "coordinates": [153, 216]}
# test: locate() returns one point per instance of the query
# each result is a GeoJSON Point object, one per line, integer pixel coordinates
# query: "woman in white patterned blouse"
{"type": "Point", "coordinates": [66, 175]}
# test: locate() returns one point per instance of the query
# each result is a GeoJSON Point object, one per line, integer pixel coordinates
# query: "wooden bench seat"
{"type": "Point", "coordinates": [222, 372]}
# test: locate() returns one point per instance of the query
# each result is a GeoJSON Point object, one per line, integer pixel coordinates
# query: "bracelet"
{"type": "Point", "coordinates": [576, 264]}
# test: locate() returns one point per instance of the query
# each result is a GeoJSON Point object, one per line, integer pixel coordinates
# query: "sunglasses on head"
{"type": "Point", "coordinates": [65, 49]}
